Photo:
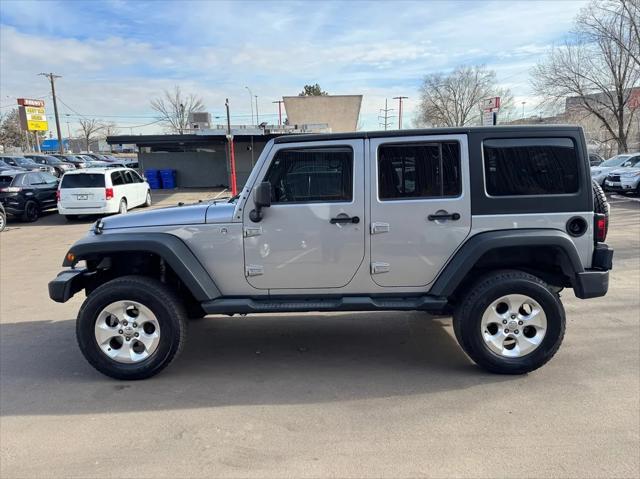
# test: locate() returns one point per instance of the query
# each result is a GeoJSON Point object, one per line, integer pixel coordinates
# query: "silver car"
{"type": "Point", "coordinates": [625, 179]}
{"type": "Point", "coordinates": [599, 173]}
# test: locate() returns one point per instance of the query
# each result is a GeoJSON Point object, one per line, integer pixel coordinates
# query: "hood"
{"type": "Point", "coordinates": [198, 213]}
{"type": "Point", "coordinates": [622, 171]}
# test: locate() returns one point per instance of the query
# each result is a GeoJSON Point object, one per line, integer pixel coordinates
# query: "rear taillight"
{"type": "Point", "coordinates": [601, 227]}
{"type": "Point", "coordinates": [108, 193]}
{"type": "Point", "coordinates": [57, 195]}
{"type": "Point", "coordinates": [11, 189]}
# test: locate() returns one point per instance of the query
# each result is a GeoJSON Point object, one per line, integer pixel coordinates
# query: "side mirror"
{"type": "Point", "coordinates": [261, 199]}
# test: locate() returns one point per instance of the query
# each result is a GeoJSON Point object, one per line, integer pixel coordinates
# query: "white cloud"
{"type": "Point", "coordinates": [114, 59]}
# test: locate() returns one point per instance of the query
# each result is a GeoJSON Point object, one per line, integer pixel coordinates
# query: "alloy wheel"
{"type": "Point", "coordinates": [127, 332]}
{"type": "Point", "coordinates": [513, 325]}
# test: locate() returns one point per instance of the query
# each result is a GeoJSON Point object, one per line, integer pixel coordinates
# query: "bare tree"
{"type": "Point", "coordinates": [174, 108]}
{"type": "Point", "coordinates": [599, 18]}
{"type": "Point", "coordinates": [88, 129]}
{"type": "Point", "coordinates": [454, 99]}
{"type": "Point", "coordinates": [110, 129]}
{"type": "Point", "coordinates": [594, 73]}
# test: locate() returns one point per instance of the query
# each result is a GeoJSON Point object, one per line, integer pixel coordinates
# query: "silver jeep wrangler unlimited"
{"type": "Point", "coordinates": [486, 224]}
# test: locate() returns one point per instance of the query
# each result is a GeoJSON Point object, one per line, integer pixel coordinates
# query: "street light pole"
{"type": "Point", "coordinates": [250, 102]}
{"type": "Point", "coordinates": [52, 78]}
{"type": "Point", "coordinates": [257, 117]}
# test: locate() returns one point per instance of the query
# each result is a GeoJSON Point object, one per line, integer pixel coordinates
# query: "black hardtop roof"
{"type": "Point", "coordinates": [425, 131]}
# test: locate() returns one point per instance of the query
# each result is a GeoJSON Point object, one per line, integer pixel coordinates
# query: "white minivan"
{"type": "Point", "coordinates": [94, 191]}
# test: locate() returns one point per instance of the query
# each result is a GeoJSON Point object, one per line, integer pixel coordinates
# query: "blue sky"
{"type": "Point", "coordinates": [115, 56]}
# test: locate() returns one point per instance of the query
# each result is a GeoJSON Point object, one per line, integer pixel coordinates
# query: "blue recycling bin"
{"type": "Point", "coordinates": [153, 178]}
{"type": "Point", "coordinates": [168, 178]}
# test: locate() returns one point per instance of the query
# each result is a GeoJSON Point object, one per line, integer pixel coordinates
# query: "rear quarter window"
{"type": "Point", "coordinates": [83, 180]}
{"type": "Point", "coordinates": [530, 166]}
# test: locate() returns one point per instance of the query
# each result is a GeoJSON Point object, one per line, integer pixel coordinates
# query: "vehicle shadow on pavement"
{"type": "Point", "coordinates": [294, 359]}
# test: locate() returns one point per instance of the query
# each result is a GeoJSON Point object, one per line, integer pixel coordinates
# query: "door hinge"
{"type": "Point", "coordinates": [252, 231]}
{"type": "Point", "coordinates": [255, 270]}
{"type": "Point", "coordinates": [377, 228]}
{"type": "Point", "coordinates": [377, 268]}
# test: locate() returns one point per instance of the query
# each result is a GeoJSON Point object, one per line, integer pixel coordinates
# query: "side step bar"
{"type": "Point", "coordinates": [347, 303]}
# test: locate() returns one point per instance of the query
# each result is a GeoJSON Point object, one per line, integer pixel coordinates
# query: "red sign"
{"type": "Point", "coordinates": [29, 102]}
{"type": "Point", "coordinates": [490, 103]}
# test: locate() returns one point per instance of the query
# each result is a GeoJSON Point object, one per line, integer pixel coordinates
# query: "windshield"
{"type": "Point", "coordinates": [83, 180]}
{"type": "Point", "coordinates": [24, 161]}
{"type": "Point", "coordinates": [615, 161]}
{"type": "Point", "coordinates": [631, 162]}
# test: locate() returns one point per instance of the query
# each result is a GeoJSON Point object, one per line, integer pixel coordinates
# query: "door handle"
{"type": "Point", "coordinates": [444, 216]}
{"type": "Point", "coordinates": [345, 219]}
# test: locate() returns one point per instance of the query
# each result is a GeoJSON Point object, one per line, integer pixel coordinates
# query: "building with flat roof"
{"type": "Point", "coordinates": [339, 112]}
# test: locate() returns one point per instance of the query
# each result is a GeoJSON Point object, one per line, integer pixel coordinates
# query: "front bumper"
{"type": "Point", "coordinates": [594, 282]}
{"type": "Point", "coordinates": [625, 184]}
{"type": "Point", "coordinates": [66, 284]}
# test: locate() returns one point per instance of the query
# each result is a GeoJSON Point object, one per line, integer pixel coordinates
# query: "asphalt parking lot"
{"type": "Point", "coordinates": [317, 395]}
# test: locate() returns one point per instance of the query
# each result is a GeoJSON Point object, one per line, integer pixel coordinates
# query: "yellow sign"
{"type": "Point", "coordinates": [35, 125]}
{"type": "Point", "coordinates": [32, 115]}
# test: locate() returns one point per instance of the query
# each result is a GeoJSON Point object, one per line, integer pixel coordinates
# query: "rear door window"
{"type": "Point", "coordinates": [419, 170]}
{"type": "Point", "coordinates": [530, 166]}
{"type": "Point", "coordinates": [83, 180]}
{"type": "Point", "coordinates": [128, 177]}
{"type": "Point", "coordinates": [117, 178]}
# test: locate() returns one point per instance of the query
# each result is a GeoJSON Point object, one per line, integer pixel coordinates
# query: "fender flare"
{"type": "Point", "coordinates": [475, 247]}
{"type": "Point", "coordinates": [169, 247]}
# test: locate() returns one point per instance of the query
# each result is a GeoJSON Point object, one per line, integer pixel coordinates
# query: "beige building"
{"type": "Point", "coordinates": [339, 112]}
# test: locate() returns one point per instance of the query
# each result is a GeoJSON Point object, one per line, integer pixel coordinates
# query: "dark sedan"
{"type": "Point", "coordinates": [28, 194]}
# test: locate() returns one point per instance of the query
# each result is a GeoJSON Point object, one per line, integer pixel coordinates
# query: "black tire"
{"type": "Point", "coordinates": [468, 316]}
{"type": "Point", "coordinates": [3, 221]}
{"type": "Point", "coordinates": [71, 217]}
{"type": "Point", "coordinates": [123, 203]}
{"type": "Point", "coordinates": [31, 211]}
{"type": "Point", "coordinates": [600, 203]}
{"type": "Point", "coordinates": [147, 201]}
{"type": "Point", "coordinates": [162, 301]}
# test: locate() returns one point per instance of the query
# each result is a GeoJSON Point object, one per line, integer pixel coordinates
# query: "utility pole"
{"type": "Point", "coordinates": [250, 102]}
{"type": "Point", "coordinates": [52, 77]}
{"type": "Point", "coordinates": [279, 102]}
{"type": "Point", "coordinates": [386, 117]}
{"type": "Point", "coordinates": [523, 104]}
{"type": "Point", "coordinates": [232, 153]}
{"type": "Point", "coordinates": [400, 98]}
{"type": "Point", "coordinates": [257, 117]}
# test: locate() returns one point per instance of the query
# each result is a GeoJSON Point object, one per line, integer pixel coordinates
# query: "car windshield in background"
{"type": "Point", "coordinates": [85, 180]}
{"type": "Point", "coordinates": [615, 161]}
{"type": "Point", "coordinates": [631, 162]}
{"type": "Point", "coordinates": [24, 161]}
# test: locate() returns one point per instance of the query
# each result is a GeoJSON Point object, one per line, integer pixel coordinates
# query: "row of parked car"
{"type": "Point", "coordinates": [95, 187]}
{"type": "Point", "coordinates": [59, 164]}
{"type": "Point", "coordinates": [620, 173]}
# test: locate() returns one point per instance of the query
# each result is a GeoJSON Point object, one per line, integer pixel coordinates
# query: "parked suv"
{"type": "Point", "coordinates": [27, 194]}
{"type": "Point", "coordinates": [91, 191]}
{"type": "Point", "coordinates": [26, 163]}
{"type": "Point", "coordinates": [487, 224]}
{"type": "Point", "coordinates": [60, 167]}
{"type": "Point", "coordinates": [625, 179]}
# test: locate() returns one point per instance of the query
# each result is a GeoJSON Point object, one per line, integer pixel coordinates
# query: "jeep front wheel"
{"type": "Point", "coordinates": [131, 327]}
{"type": "Point", "coordinates": [510, 322]}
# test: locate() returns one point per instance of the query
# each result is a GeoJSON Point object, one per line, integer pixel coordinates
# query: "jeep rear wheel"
{"type": "Point", "coordinates": [131, 327]}
{"type": "Point", "coordinates": [510, 322]}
